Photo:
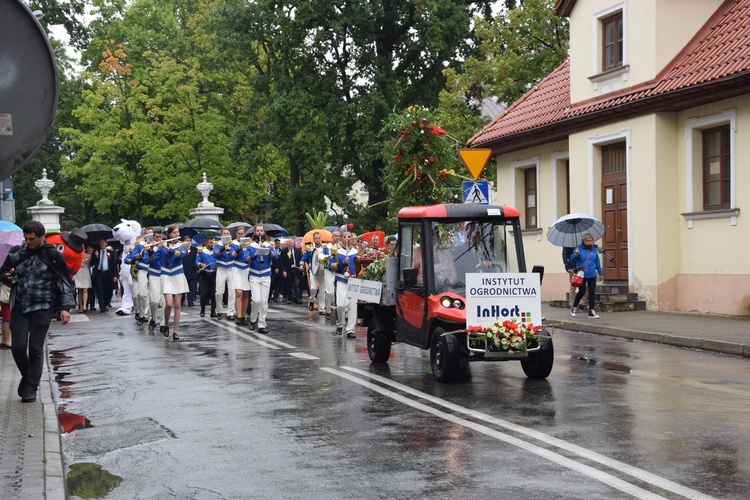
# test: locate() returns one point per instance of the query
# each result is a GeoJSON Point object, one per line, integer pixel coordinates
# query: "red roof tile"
{"type": "Point", "coordinates": [717, 54]}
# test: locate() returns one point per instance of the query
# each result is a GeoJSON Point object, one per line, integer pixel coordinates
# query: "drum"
{"type": "Point", "coordinates": [315, 266]}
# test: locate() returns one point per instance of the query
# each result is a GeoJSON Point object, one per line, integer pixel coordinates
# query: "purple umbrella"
{"type": "Point", "coordinates": [8, 239]}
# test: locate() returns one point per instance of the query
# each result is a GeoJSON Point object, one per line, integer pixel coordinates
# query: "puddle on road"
{"type": "Point", "coordinates": [89, 480]}
{"type": "Point", "coordinates": [72, 421]}
{"type": "Point", "coordinates": [614, 367]}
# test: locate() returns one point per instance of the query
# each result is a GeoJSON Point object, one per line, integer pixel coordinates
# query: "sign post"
{"type": "Point", "coordinates": [475, 160]}
{"type": "Point", "coordinates": [476, 192]}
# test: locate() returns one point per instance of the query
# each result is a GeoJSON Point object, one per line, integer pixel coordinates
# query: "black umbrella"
{"type": "Point", "coordinates": [234, 225]}
{"type": "Point", "coordinates": [97, 232]}
{"type": "Point", "coordinates": [274, 230]}
{"type": "Point", "coordinates": [203, 223]}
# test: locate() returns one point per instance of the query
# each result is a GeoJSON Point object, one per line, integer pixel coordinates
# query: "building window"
{"type": "Point", "coordinates": [529, 184]}
{"type": "Point", "coordinates": [612, 42]}
{"type": "Point", "coordinates": [717, 176]}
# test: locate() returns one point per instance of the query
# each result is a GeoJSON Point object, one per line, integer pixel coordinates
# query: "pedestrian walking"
{"type": "Point", "coordinates": [41, 287]}
{"type": "Point", "coordinates": [82, 280]}
{"type": "Point", "coordinates": [585, 256]}
{"type": "Point", "coordinates": [571, 270]}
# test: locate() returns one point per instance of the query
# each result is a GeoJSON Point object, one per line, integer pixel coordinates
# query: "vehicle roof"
{"type": "Point", "coordinates": [459, 211]}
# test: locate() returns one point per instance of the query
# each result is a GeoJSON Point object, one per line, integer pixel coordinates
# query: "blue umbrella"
{"type": "Point", "coordinates": [8, 226]}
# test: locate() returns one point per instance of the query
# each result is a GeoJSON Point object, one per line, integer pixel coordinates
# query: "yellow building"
{"type": "Point", "coordinates": [646, 127]}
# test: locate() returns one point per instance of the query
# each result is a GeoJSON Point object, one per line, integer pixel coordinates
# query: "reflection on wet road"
{"type": "Point", "coordinates": [301, 413]}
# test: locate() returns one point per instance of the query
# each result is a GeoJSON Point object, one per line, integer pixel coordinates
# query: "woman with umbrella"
{"type": "Point", "coordinates": [586, 257]}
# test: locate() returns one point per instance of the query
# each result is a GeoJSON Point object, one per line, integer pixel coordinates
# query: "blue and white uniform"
{"type": "Point", "coordinates": [260, 280]}
{"type": "Point", "coordinates": [240, 267]}
{"type": "Point", "coordinates": [224, 264]}
{"type": "Point", "coordinates": [155, 258]}
{"type": "Point", "coordinates": [342, 267]}
{"type": "Point", "coordinates": [173, 279]}
{"type": "Point", "coordinates": [140, 284]}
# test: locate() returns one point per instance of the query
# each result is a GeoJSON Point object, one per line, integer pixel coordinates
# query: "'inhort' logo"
{"type": "Point", "coordinates": [504, 312]}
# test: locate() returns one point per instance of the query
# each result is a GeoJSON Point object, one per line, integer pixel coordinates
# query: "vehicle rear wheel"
{"type": "Point", "coordinates": [445, 356]}
{"type": "Point", "coordinates": [378, 346]}
{"type": "Point", "coordinates": [539, 364]}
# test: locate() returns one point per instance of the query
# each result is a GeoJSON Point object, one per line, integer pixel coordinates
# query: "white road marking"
{"type": "Point", "coordinates": [578, 450]}
{"type": "Point", "coordinates": [586, 470]}
{"type": "Point", "coordinates": [302, 355]}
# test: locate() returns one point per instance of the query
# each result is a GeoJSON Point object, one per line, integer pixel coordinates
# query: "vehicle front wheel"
{"type": "Point", "coordinates": [378, 346]}
{"type": "Point", "coordinates": [539, 364]}
{"type": "Point", "coordinates": [445, 356]}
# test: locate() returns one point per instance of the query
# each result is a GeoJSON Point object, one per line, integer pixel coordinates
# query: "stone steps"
{"type": "Point", "coordinates": [611, 296]}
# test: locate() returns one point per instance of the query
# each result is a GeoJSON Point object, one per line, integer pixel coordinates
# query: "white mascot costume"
{"type": "Point", "coordinates": [125, 233]}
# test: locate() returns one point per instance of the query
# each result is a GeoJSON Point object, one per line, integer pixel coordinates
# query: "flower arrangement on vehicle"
{"type": "Point", "coordinates": [375, 271]}
{"type": "Point", "coordinates": [504, 336]}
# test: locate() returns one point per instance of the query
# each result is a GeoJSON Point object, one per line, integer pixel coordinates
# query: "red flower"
{"type": "Point", "coordinates": [437, 130]}
{"type": "Point", "coordinates": [510, 325]}
{"type": "Point", "coordinates": [474, 329]}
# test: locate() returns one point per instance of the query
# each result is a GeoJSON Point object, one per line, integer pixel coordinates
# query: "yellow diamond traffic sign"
{"type": "Point", "coordinates": [475, 160]}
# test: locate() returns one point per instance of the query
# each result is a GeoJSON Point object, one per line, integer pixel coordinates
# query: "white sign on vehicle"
{"type": "Point", "coordinates": [364, 290]}
{"type": "Point", "coordinates": [500, 296]}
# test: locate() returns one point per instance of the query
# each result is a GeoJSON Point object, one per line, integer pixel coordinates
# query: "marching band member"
{"type": "Point", "coordinates": [329, 279]}
{"type": "Point", "coordinates": [224, 263]}
{"type": "Point", "coordinates": [155, 256]}
{"type": "Point", "coordinates": [173, 282]}
{"type": "Point", "coordinates": [341, 265]}
{"type": "Point", "coordinates": [140, 280]}
{"type": "Point", "coordinates": [260, 276]}
{"type": "Point", "coordinates": [205, 261]}
{"type": "Point", "coordinates": [240, 280]}
{"type": "Point", "coordinates": [316, 265]}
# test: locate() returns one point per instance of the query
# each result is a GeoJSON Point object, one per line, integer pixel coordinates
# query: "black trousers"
{"type": "Point", "coordinates": [292, 286]}
{"type": "Point", "coordinates": [28, 332]}
{"type": "Point", "coordinates": [207, 289]}
{"type": "Point", "coordinates": [103, 287]}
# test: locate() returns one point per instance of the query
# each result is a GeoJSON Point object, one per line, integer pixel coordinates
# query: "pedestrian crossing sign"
{"type": "Point", "coordinates": [476, 192]}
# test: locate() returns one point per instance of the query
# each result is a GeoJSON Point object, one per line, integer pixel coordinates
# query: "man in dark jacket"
{"type": "Point", "coordinates": [104, 274]}
{"type": "Point", "coordinates": [41, 287]}
{"type": "Point", "coordinates": [291, 270]}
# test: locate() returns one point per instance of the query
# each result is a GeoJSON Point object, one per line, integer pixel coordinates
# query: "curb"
{"type": "Point", "coordinates": [719, 346]}
{"type": "Point", "coordinates": [54, 475]}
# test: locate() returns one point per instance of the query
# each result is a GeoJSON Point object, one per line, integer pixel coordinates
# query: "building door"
{"type": "Point", "coordinates": [615, 211]}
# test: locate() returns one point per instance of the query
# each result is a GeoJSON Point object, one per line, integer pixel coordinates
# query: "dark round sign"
{"type": "Point", "coordinates": [28, 86]}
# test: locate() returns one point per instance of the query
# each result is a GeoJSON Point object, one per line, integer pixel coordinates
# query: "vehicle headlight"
{"type": "Point", "coordinates": [451, 303]}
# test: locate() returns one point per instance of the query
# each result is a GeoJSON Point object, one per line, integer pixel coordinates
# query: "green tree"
{"type": "Point", "coordinates": [328, 75]}
{"type": "Point", "coordinates": [517, 49]}
{"type": "Point", "coordinates": [156, 115]}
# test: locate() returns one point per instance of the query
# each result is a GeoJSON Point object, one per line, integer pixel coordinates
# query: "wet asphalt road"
{"type": "Point", "coordinates": [227, 413]}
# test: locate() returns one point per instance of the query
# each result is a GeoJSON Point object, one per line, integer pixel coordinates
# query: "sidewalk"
{"type": "Point", "coordinates": [710, 332]}
{"type": "Point", "coordinates": [30, 457]}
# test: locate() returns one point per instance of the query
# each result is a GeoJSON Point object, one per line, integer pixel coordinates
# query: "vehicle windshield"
{"type": "Point", "coordinates": [467, 247]}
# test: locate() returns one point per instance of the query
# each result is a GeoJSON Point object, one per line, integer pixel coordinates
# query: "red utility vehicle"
{"type": "Point", "coordinates": [424, 293]}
